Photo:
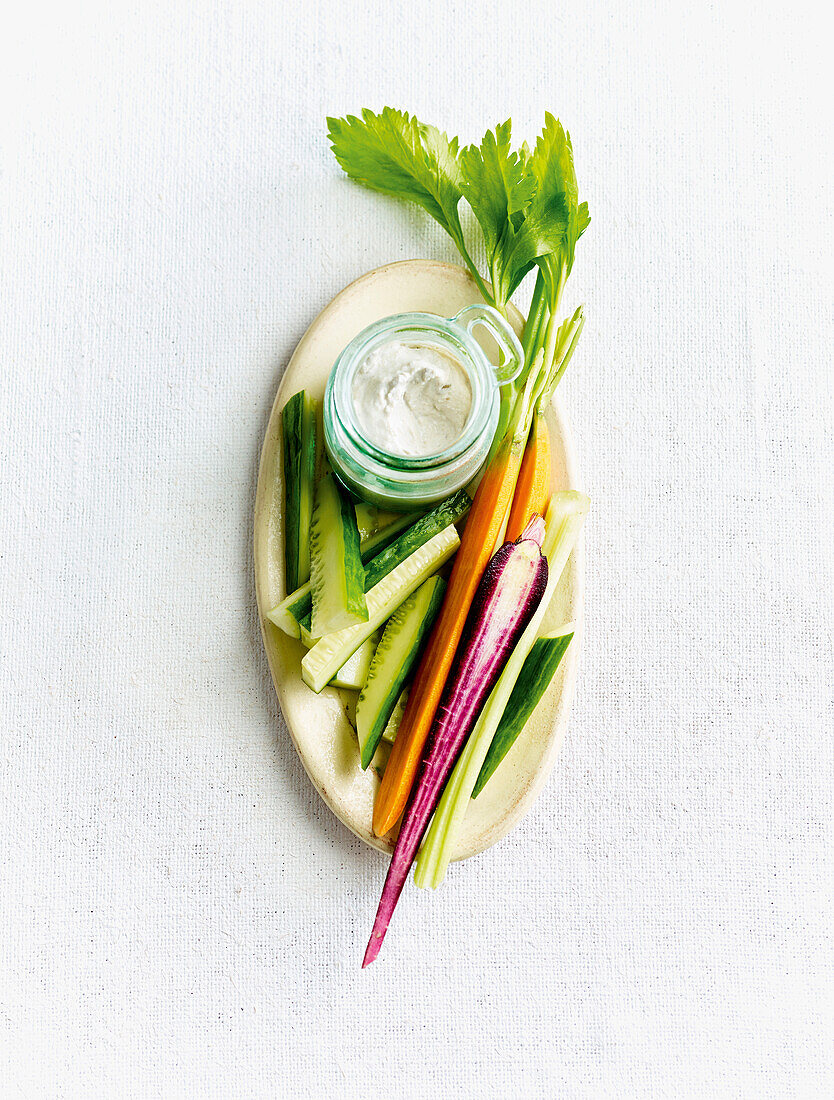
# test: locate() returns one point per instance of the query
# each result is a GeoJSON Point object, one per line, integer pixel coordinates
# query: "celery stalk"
{"type": "Point", "coordinates": [565, 516]}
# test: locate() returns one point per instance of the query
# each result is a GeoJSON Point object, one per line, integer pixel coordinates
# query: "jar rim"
{"type": "Point", "coordinates": [390, 478]}
{"type": "Point", "coordinates": [425, 329]}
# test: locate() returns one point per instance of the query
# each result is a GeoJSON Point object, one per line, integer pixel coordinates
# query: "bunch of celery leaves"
{"type": "Point", "coordinates": [526, 205]}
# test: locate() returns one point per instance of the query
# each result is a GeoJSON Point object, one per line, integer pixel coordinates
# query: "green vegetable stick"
{"type": "Point", "coordinates": [298, 423]}
{"type": "Point", "coordinates": [538, 670]}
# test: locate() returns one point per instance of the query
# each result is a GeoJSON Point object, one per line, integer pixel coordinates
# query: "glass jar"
{"type": "Point", "coordinates": [405, 483]}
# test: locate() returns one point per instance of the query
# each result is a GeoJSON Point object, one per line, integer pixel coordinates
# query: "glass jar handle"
{"type": "Point", "coordinates": [502, 333]}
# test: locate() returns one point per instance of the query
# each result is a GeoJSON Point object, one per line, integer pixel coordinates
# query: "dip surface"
{"type": "Point", "coordinates": [411, 399]}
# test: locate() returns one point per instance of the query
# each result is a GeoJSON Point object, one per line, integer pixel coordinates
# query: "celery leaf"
{"type": "Point", "coordinates": [557, 193]}
{"type": "Point", "coordinates": [495, 183]}
{"type": "Point", "coordinates": [499, 189]}
{"type": "Point", "coordinates": [393, 153]}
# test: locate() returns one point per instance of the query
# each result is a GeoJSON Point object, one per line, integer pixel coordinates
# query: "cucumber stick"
{"type": "Point", "coordinates": [328, 655]}
{"type": "Point", "coordinates": [423, 529]}
{"type": "Point", "coordinates": [419, 533]}
{"type": "Point", "coordinates": [337, 575]}
{"type": "Point", "coordinates": [393, 723]}
{"type": "Point", "coordinates": [371, 545]}
{"type": "Point", "coordinates": [354, 672]}
{"type": "Point", "coordinates": [398, 650]}
{"type": "Point", "coordinates": [298, 424]}
{"type": "Point", "coordinates": [536, 673]}
{"type": "Point", "coordinates": [287, 614]}
{"type": "Point", "coordinates": [371, 520]}
{"type": "Point", "coordinates": [298, 604]}
{"type": "Point", "coordinates": [366, 519]}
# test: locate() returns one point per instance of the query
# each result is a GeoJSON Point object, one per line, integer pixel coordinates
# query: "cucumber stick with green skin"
{"type": "Point", "coordinates": [298, 604]}
{"type": "Point", "coordinates": [400, 646]}
{"type": "Point", "coordinates": [323, 661]}
{"type": "Point", "coordinates": [298, 423]}
{"type": "Point", "coordinates": [536, 673]}
{"type": "Point", "coordinates": [366, 519]}
{"type": "Point", "coordinates": [417, 534]}
{"type": "Point", "coordinates": [337, 575]}
{"type": "Point", "coordinates": [288, 613]}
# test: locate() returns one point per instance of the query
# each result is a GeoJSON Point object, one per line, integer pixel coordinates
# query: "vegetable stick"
{"type": "Point", "coordinates": [327, 655]}
{"type": "Point", "coordinates": [536, 674]}
{"type": "Point", "coordinates": [507, 597]}
{"type": "Point", "coordinates": [298, 423]}
{"type": "Point", "coordinates": [533, 487]}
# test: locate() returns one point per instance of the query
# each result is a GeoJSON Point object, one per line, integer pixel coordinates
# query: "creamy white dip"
{"type": "Point", "coordinates": [411, 399]}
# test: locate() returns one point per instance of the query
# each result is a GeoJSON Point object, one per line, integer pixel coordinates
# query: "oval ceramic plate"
{"type": "Point", "coordinates": [319, 724]}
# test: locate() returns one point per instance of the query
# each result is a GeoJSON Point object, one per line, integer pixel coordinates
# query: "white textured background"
{"type": "Point", "coordinates": [180, 915]}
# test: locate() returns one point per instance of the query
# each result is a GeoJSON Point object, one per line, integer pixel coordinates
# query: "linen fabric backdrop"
{"type": "Point", "coordinates": [181, 914]}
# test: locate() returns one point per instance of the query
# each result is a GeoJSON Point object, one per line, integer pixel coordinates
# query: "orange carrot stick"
{"type": "Point", "coordinates": [533, 489]}
{"type": "Point", "coordinates": [486, 516]}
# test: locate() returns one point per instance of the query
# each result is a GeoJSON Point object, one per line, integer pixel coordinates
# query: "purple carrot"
{"type": "Point", "coordinates": [510, 590]}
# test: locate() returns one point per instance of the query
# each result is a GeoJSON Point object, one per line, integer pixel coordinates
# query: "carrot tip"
{"type": "Point", "coordinates": [383, 825]}
{"type": "Point", "coordinates": [372, 950]}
